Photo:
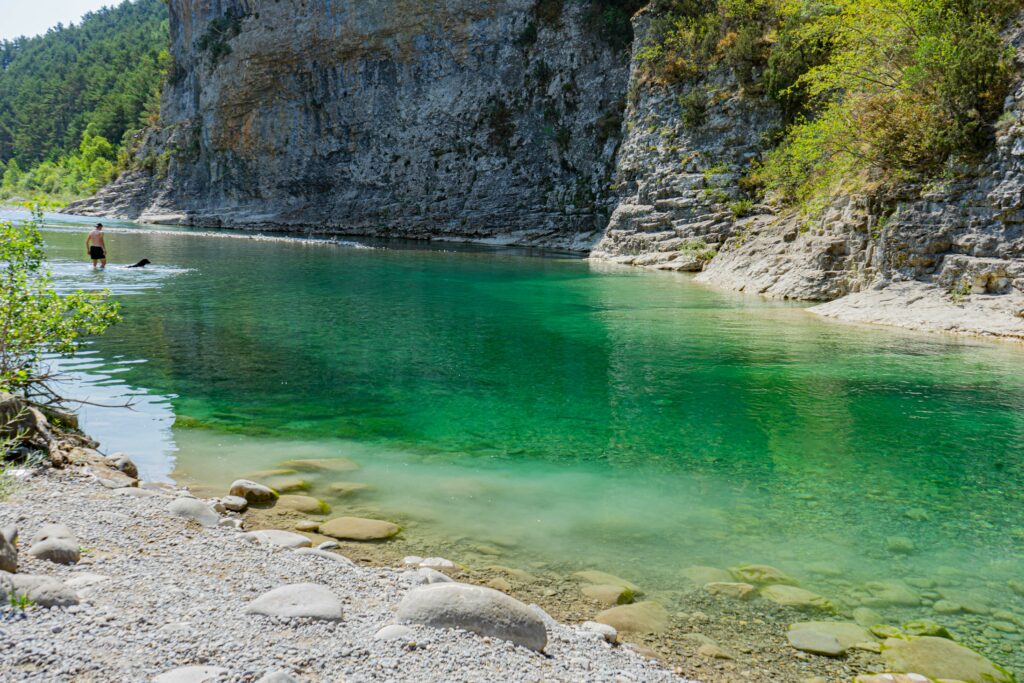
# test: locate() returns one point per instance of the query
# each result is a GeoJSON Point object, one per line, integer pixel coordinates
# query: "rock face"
{"type": "Point", "coordinates": [481, 610]}
{"type": "Point", "coordinates": [449, 118]}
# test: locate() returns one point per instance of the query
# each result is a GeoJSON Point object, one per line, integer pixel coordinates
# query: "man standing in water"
{"type": "Point", "coordinates": [97, 249]}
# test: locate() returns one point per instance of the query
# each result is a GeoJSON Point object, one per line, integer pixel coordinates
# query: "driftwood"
{"type": "Point", "coordinates": [26, 426]}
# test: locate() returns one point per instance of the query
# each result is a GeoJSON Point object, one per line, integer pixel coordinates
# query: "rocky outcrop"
{"type": "Point", "coordinates": [441, 119]}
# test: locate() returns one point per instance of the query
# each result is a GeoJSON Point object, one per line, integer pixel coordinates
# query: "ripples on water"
{"type": "Point", "coordinates": [629, 421]}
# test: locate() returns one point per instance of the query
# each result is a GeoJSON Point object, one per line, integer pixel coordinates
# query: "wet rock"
{"type": "Point", "coordinates": [830, 638]}
{"type": "Point", "coordinates": [307, 525]}
{"type": "Point", "coordinates": [122, 463]}
{"type": "Point", "coordinates": [713, 651]}
{"type": "Point", "coordinates": [970, 602]}
{"type": "Point", "coordinates": [300, 600]}
{"type": "Point", "coordinates": [941, 658]}
{"type": "Point", "coordinates": [254, 494]}
{"type": "Point", "coordinates": [55, 543]}
{"type": "Point", "coordinates": [887, 631]}
{"type": "Point", "coordinates": [395, 632]}
{"type": "Point", "coordinates": [599, 578]}
{"type": "Point", "coordinates": [900, 545]}
{"type": "Point", "coordinates": [947, 607]}
{"type": "Point", "coordinates": [762, 574]}
{"type": "Point", "coordinates": [608, 595]}
{"type": "Point", "coordinates": [1016, 586]}
{"type": "Point", "coordinates": [791, 596]}
{"type": "Point", "coordinates": [344, 489]}
{"type": "Point", "coordinates": [192, 674]}
{"type": "Point", "coordinates": [306, 505]}
{"type": "Point", "coordinates": [499, 584]}
{"type": "Point", "coordinates": [890, 593]}
{"type": "Point", "coordinates": [235, 503]}
{"type": "Point", "coordinates": [738, 591]}
{"type": "Point", "coordinates": [276, 537]}
{"type": "Point", "coordinates": [867, 617]}
{"type": "Point", "coordinates": [288, 485]}
{"type": "Point", "coordinates": [923, 627]}
{"type": "Point", "coordinates": [321, 465]}
{"type": "Point", "coordinates": [195, 510]}
{"type": "Point", "coordinates": [359, 529]}
{"type": "Point", "coordinates": [891, 678]}
{"type": "Point", "coordinates": [483, 611]}
{"type": "Point", "coordinates": [701, 575]}
{"type": "Point", "coordinates": [642, 617]}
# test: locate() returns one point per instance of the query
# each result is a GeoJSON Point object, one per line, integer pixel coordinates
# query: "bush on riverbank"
{"type": "Point", "coordinates": [36, 319]}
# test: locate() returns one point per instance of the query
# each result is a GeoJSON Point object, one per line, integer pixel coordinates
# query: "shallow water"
{"type": "Point", "coordinates": [549, 409]}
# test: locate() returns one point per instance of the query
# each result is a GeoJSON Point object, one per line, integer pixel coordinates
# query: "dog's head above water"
{"type": "Point", "coordinates": [141, 264]}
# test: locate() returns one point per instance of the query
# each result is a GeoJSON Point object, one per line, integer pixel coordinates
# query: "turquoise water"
{"type": "Point", "coordinates": [547, 408]}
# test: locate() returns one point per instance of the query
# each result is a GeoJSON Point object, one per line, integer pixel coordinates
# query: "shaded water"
{"type": "Point", "coordinates": [546, 408]}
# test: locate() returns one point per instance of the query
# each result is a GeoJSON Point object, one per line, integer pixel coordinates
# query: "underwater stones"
{"type": "Point", "coordinates": [255, 494]}
{"type": "Point", "coordinates": [941, 658]}
{"type": "Point", "coordinates": [917, 514]}
{"type": "Point", "coordinates": [714, 651]}
{"type": "Point", "coordinates": [737, 591]}
{"type": "Point", "coordinates": [799, 598]}
{"type": "Point", "coordinates": [480, 610]}
{"type": "Point", "coordinates": [923, 627]}
{"type": "Point", "coordinates": [359, 529]}
{"type": "Point", "coordinates": [702, 575]}
{"type": "Point", "coordinates": [830, 638]}
{"type": "Point", "coordinates": [947, 607]}
{"type": "Point", "coordinates": [886, 593]}
{"type": "Point", "coordinates": [295, 601]}
{"type": "Point", "coordinates": [762, 574]}
{"type": "Point", "coordinates": [887, 631]}
{"type": "Point", "coordinates": [499, 584]}
{"type": "Point", "coordinates": [642, 617]}
{"type": "Point", "coordinates": [321, 465]}
{"type": "Point", "coordinates": [891, 678]}
{"type": "Point", "coordinates": [288, 485]}
{"type": "Point", "coordinates": [344, 489]}
{"type": "Point", "coordinates": [599, 578]}
{"type": "Point", "coordinates": [970, 602]}
{"type": "Point", "coordinates": [55, 543]}
{"type": "Point", "coordinates": [609, 595]}
{"type": "Point", "coordinates": [867, 617]}
{"type": "Point", "coordinates": [307, 505]}
{"type": "Point", "coordinates": [900, 545]}
{"type": "Point", "coordinates": [1016, 586]}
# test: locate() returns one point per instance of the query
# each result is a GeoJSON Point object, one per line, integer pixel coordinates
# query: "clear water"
{"type": "Point", "coordinates": [631, 421]}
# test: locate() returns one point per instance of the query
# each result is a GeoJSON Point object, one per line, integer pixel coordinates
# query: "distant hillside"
{"type": "Point", "coordinates": [101, 77]}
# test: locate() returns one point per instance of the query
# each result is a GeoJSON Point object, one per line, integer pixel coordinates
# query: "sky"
{"type": "Point", "coordinates": [32, 17]}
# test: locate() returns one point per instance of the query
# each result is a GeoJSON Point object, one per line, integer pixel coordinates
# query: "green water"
{"type": "Point", "coordinates": [546, 409]}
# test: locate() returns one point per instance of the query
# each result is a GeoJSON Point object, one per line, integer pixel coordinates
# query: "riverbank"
{"type": "Point", "coordinates": [174, 580]}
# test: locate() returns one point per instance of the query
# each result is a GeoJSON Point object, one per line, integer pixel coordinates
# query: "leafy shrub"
{"type": "Point", "coordinates": [694, 104]}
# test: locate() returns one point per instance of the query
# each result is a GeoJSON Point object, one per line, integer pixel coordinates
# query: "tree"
{"type": "Point", "coordinates": [36, 319]}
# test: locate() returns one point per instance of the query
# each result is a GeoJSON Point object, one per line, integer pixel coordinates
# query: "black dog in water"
{"type": "Point", "coordinates": [141, 264]}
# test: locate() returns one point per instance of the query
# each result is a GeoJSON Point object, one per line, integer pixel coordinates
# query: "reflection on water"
{"type": "Point", "coordinates": [631, 421]}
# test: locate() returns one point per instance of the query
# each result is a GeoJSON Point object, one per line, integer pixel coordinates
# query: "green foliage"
{"type": "Point", "coordinates": [906, 86]}
{"type": "Point", "coordinates": [19, 601]}
{"type": "Point", "coordinates": [220, 31]}
{"type": "Point", "coordinates": [697, 248]}
{"type": "Point", "coordinates": [76, 175]}
{"type": "Point", "coordinates": [694, 104]}
{"type": "Point", "coordinates": [35, 319]}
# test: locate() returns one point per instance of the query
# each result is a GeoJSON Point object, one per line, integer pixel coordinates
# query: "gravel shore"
{"type": "Point", "coordinates": [158, 593]}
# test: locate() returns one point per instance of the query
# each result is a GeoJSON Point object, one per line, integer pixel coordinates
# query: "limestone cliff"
{"type": "Point", "coordinates": [416, 118]}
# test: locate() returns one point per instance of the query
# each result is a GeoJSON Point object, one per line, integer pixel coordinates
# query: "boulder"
{"type": "Point", "coordinates": [8, 555]}
{"type": "Point", "coordinates": [867, 617]}
{"type": "Point", "coordinates": [55, 543]}
{"type": "Point", "coordinates": [941, 658]}
{"type": "Point", "coordinates": [642, 617]}
{"type": "Point", "coordinates": [255, 494]}
{"type": "Point", "coordinates": [608, 595]}
{"type": "Point", "coordinates": [194, 510]}
{"type": "Point", "coordinates": [191, 674]}
{"type": "Point", "coordinates": [121, 462]}
{"type": "Point", "coordinates": [299, 600]}
{"type": "Point", "coordinates": [762, 574]}
{"type": "Point", "coordinates": [44, 591]}
{"type": "Point", "coordinates": [307, 505]}
{"type": "Point", "coordinates": [480, 610]}
{"type": "Point", "coordinates": [608, 633]}
{"type": "Point", "coordinates": [112, 478]}
{"type": "Point", "coordinates": [739, 591]}
{"type": "Point", "coordinates": [702, 576]}
{"type": "Point", "coordinates": [359, 529]}
{"type": "Point", "coordinates": [791, 596]}
{"type": "Point", "coordinates": [276, 537]}
{"type": "Point", "coordinates": [234, 503]}
{"type": "Point", "coordinates": [307, 525]}
{"type": "Point", "coordinates": [831, 638]}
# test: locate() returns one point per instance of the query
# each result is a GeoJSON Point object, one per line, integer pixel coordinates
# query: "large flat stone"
{"type": "Point", "coordinates": [643, 617]}
{"type": "Point", "coordinates": [480, 610]}
{"type": "Point", "coordinates": [359, 529]}
{"type": "Point", "coordinates": [941, 658]}
{"type": "Point", "coordinates": [195, 510]}
{"type": "Point", "coordinates": [276, 537]}
{"type": "Point", "coordinates": [299, 600]}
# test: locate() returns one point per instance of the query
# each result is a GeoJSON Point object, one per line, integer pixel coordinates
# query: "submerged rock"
{"type": "Point", "coordinates": [643, 617]}
{"type": "Point", "coordinates": [483, 611]}
{"type": "Point", "coordinates": [832, 638]}
{"type": "Point", "coordinates": [255, 494]}
{"type": "Point", "coordinates": [307, 505]}
{"type": "Point", "coordinates": [599, 578]}
{"type": "Point", "coordinates": [348, 488]}
{"type": "Point", "coordinates": [321, 465]}
{"type": "Point", "coordinates": [791, 596]}
{"type": "Point", "coordinates": [607, 595]}
{"type": "Point", "coordinates": [941, 658]}
{"type": "Point", "coordinates": [924, 627]}
{"type": "Point", "coordinates": [738, 591]}
{"type": "Point", "coordinates": [702, 575]}
{"type": "Point", "coordinates": [762, 574]}
{"type": "Point", "coordinates": [299, 600]}
{"type": "Point", "coordinates": [359, 529]}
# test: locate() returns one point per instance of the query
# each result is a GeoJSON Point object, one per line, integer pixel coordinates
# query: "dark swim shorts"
{"type": "Point", "coordinates": [96, 253]}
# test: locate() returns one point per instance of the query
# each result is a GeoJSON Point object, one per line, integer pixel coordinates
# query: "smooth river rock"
{"type": "Point", "coordinates": [234, 503]}
{"type": "Point", "coordinates": [483, 611]}
{"type": "Point", "coordinates": [255, 494]}
{"type": "Point", "coordinates": [45, 591]}
{"type": "Point", "coordinates": [941, 658]}
{"type": "Point", "coordinates": [276, 537]}
{"type": "Point", "coordinates": [55, 543]}
{"type": "Point", "coordinates": [191, 674]}
{"type": "Point", "coordinates": [598, 578]}
{"type": "Point", "coordinates": [762, 574]}
{"type": "Point", "coordinates": [321, 465]}
{"type": "Point", "coordinates": [832, 638]}
{"type": "Point", "coordinates": [359, 529]}
{"type": "Point", "coordinates": [195, 510]}
{"type": "Point", "coordinates": [607, 595]}
{"type": "Point", "coordinates": [299, 600]}
{"type": "Point", "coordinates": [791, 596]}
{"type": "Point", "coordinates": [738, 591]}
{"type": "Point", "coordinates": [307, 505]}
{"type": "Point", "coordinates": [643, 617]}
{"type": "Point", "coordinates": [702, 575]}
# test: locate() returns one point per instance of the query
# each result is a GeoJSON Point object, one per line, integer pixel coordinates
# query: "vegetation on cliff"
{"type": "Point", "coordinates": [72, 100]}
{"type": "Point", "coordinates": [875, 92]}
